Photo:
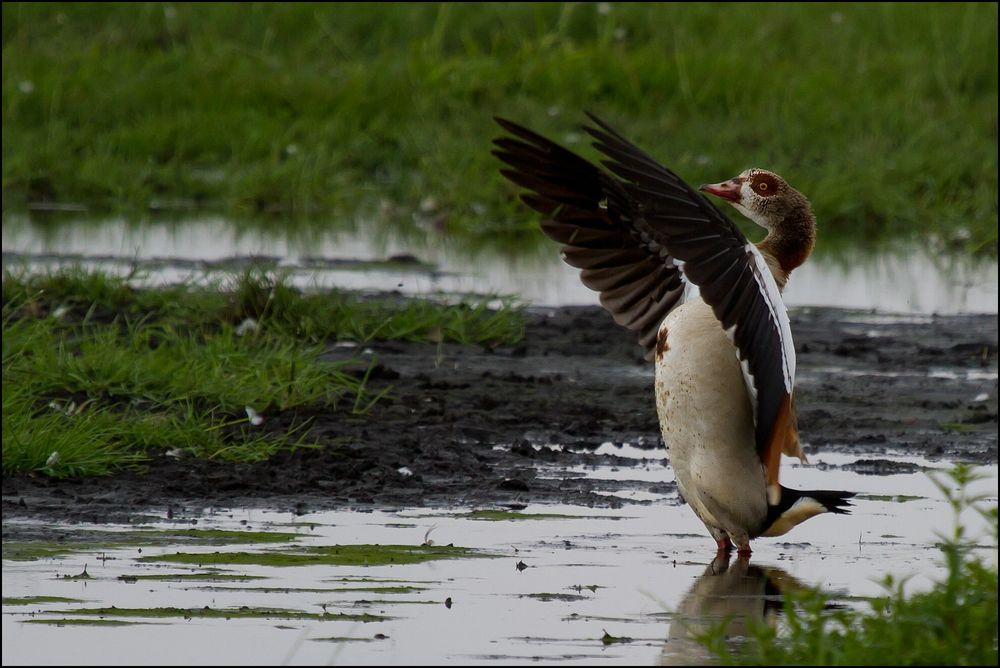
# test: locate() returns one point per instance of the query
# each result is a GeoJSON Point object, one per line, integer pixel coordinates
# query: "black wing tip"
{"type": "Point", "coordinates": [596, 119]}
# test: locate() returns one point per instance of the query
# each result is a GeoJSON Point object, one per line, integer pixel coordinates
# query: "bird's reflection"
{"type": "Point", "coordinates": [737, 592]}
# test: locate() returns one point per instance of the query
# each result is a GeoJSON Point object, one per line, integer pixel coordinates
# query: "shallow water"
{"type": "Point", "coordinates": [642, 572]}
{"type": "Point", "coordinates": [910, 280]}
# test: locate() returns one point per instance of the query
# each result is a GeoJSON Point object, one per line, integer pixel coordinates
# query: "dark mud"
{"type": "Point", "coordinates": [463, 420]}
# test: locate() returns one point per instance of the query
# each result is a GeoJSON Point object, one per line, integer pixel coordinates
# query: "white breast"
{"type": "Point", "coordinates": [706, 420]}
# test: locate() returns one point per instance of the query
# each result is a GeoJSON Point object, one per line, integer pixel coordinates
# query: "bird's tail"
{"type": "Point", "coordinates": [797, 506]}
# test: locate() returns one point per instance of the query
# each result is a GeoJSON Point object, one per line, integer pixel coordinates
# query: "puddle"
{"type": "Point", "coordinates": [548, 583]}
{"type": "Point", "coordinates": [911, 281]}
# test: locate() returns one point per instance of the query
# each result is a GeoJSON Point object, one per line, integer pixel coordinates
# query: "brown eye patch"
{"type": "Point", "coordinates": [764, 184]}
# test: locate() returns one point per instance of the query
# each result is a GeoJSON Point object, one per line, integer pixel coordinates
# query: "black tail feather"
{"type": "Point", "coordinates": [834, 501]}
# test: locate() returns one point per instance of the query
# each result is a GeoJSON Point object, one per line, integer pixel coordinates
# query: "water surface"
{"type": "Point", "coordinates": [548, 591]}
{"type": "Point", "coordinates": [906, 280]}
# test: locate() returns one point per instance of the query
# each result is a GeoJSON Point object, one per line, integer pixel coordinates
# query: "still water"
{"type": "Point", "coordinates": [546, 587]}
{"type": "Point", "coordinates": [910, 280]}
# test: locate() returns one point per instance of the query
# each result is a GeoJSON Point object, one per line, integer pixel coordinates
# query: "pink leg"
{"type": "Point", "coordinates": [725, 545]}
{"type": "Point", "coordinates": [744, 551]}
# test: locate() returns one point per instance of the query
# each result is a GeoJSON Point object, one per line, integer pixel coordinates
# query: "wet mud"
{"type": "Point", "coordinates": [477, 426]}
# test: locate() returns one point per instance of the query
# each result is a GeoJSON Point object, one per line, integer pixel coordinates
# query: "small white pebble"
{"type": "Point", "coordinates": [982, 396]}
{"type": "Point", "coordinates": [53, 459]}
{"type": "Point", "coordinates": [404, 471]}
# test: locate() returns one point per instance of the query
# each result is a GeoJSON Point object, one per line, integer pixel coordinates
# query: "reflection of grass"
{"type": "Point", "coordinates": [384, 110]}
{"type": "Point", "coordinates": [955, 623]}
{"type": "Point", "coordinates": [97, 374]}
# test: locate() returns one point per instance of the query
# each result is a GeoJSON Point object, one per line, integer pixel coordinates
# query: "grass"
{"type": "Point", "coordinates": [955, 623]}
{"type": "Point", "coordinates": [885, 115]}
{"type": "Point", "coordinates": [67, 621]}
{"type": "Point", "coordinates": [243, 612]}
{"type": "Point", "coordinates": [333, 555]}
{"type": "Point", "coordinates": [33, 600]}
{"type": "Point", "coordinates": [97, 374]}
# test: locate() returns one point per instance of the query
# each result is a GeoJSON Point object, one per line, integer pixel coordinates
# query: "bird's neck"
{"type": "Point", "coordinates": [789, 243]}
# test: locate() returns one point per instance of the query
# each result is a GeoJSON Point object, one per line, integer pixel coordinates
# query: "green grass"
{"type": "Point", "coordinates": [98, 374]}
{"type": "Point", "coordinates": [955, 623]}
{"type": "Point", "coordinates": [32, 600]}
{"type": "Point", "coordinates": [101, 541]}
{"type": "Point", "coordinates": [66, 621]}
{"type": "Point", "coordinates": [333, 555]}
{"type": "Point", "coordinates": [243, 612]}
{"type": "Point", "coordinates": [210, 576]}
{"type": "Point", "coordinates": [885, 115]}
{"type": "Point", "coordinates": [513, 515]}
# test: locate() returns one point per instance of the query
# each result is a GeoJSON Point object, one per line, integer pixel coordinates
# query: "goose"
{"type": "Point", "coordinates": [706, 304]}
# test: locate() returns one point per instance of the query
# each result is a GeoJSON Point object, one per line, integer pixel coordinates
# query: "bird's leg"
{"type": "Point", "coordinates": [721, 539]}
{"type": "Point", "coordinates": [744, 551]}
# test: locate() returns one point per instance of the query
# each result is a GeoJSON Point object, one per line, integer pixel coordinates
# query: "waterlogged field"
{"type": "Point", "coordinates": [347, 146]}
{"type": "Point", "coordinates": [884, 115]}
{"type": "Point", "coordinates": [903, 278]}
{"type": "Point", "coordinates": [548, 583]}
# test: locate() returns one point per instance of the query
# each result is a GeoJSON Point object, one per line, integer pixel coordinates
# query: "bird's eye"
{"type": "Point", "coordinates": [762, 186]}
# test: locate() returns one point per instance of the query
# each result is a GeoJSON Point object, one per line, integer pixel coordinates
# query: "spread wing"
{"type": "Point", "coordinates": [638, 232]}
{"type": "Point", "coordinates": [637, 279]}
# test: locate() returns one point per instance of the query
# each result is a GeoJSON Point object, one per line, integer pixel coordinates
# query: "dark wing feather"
{"type": "Point", "coordinates": [628, 252]}
{"type": "Point", "coordinates": [636, 279]}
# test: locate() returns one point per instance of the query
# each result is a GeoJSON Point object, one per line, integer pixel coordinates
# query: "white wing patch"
{"type": "Point", "coordinates": [779, 314]}
{"type": "Point", "coordinates": [691, 291]}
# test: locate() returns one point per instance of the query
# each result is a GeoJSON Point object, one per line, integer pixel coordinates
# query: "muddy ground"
{"type": "Point", "coordinates": [867, 386]}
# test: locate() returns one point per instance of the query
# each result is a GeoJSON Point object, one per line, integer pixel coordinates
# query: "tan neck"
{"type": "Point", "coordinates": [789, 243]}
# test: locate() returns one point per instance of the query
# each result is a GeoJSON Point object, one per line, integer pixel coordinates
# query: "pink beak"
{"type": "Point", "coordinates": [729, 190]}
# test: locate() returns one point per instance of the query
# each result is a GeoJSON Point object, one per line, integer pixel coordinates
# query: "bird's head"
{"type": "Point", "coordinates": [762, 196]}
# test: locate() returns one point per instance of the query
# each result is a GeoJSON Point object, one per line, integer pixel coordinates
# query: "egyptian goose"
{"type": "Point", "coordinates": [706, 303]}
